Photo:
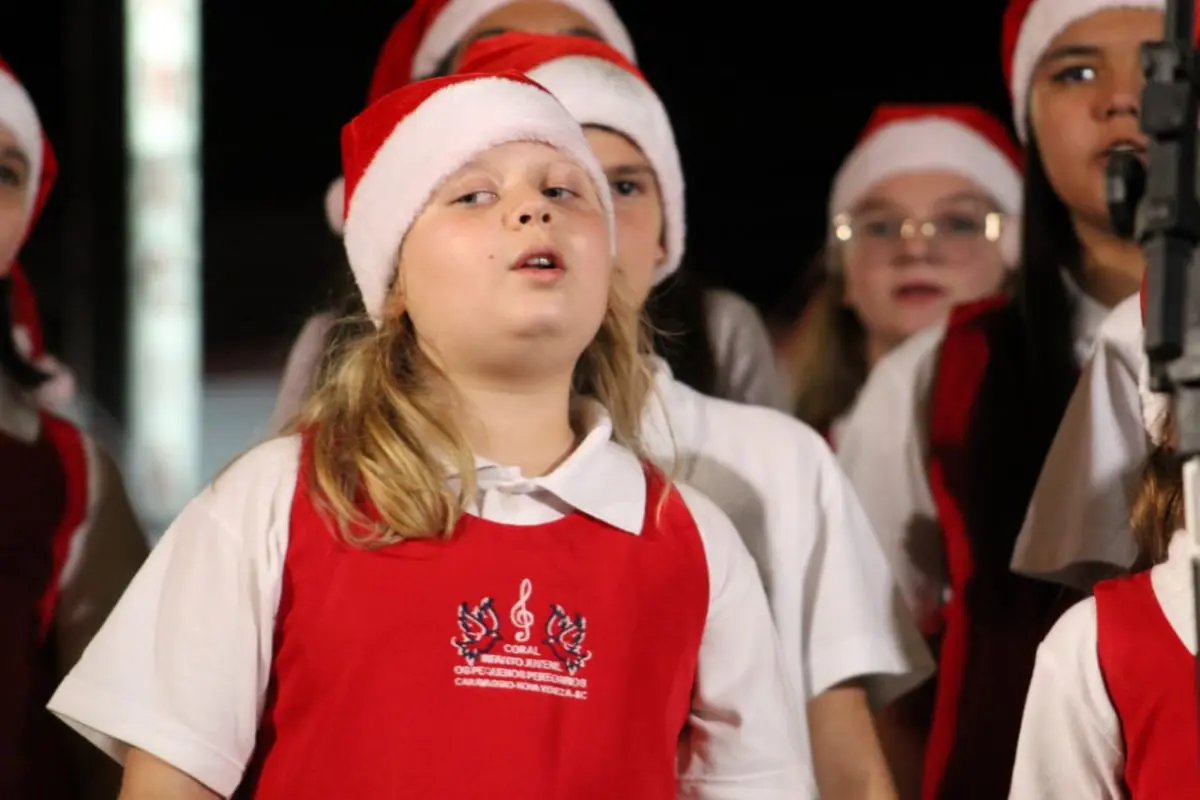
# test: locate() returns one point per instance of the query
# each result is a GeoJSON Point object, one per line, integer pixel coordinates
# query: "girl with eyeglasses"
{"type": "Point", "coordinates": [923, 215]}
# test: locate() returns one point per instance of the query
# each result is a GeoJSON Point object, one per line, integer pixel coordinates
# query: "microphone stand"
{"type": "Point", "coordinates": [1168, 230]}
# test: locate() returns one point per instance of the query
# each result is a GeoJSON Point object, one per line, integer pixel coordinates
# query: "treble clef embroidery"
{"type": "Point", "coordinates": [521, 616]}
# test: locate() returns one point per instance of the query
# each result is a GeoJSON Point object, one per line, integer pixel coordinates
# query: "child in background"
{"type": "Point", "coordinates": [1111, 711]}
{"type": "Point", "coordinates": [69, 538]}
{"type": "Point", "coordinates": [458, 579]}
{"type": "Point", "coordinates": [924, 214]}
{"type": "Point", "coordinates": [714, 339]}
{"type": "Point", "coordinates": [830, 589]}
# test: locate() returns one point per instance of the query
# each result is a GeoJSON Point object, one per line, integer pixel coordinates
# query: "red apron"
{"type": "Point", "coordinates": [543, 662]}
{"type": "Point", "coordinates": [1151, 680]}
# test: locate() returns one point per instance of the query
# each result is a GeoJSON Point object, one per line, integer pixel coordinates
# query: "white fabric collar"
{"type": "Point", "coordinates": [600, 478]}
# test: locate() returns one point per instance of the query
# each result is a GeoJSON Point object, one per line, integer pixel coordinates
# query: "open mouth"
{"type": "Point", "coordinates": [540, 261]}
{"type": "Point", "coordinates": [1124, 146]}
{"type": "Point", "coordinates": [918, 291]}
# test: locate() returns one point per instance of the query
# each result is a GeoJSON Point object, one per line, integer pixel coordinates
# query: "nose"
{"type": "Point", "coordinates": [532, 210]}
{"type": "Point", "coordinates": [1122, 95]}
{"type": "Point", "coordinates": [915, 245]}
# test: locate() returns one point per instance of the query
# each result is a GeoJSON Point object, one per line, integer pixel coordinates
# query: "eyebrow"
{"type": "Point", "coordinates": [1071, 51]}
{"type": "Point", "coordinates": [488, 33]}
{"type": "Point", "coordinates": [16, 153]}
{"type": "Point", "coordinates": [626, 170]}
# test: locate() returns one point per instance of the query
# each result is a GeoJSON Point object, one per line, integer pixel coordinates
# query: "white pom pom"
{"type": "Point", "coordinates": [335, 205]}
{"type": "Point", "coordinates": [1154, 405]}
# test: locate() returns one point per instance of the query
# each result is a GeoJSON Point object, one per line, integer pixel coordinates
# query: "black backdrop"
{"type": "Point", "coordinates": [764, 106]}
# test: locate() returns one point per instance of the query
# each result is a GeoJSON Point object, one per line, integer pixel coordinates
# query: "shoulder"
{"type": "Point", "coordinates": [727, 304]}
{"type": "Point", "coordinates": [1073, 635]}
{"type": "Point", "coordinates": [255, 492]}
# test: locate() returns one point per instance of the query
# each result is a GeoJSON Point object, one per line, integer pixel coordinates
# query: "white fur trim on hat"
{"type": "Point", "coordinates": [335, 205]}
{"type": "Point", "coordinates": [1045, 20]}
{"type": "Point", "coordinates": [459, 16]}
{"type": "Point", "coordinates": [933, 143]}
{"type": "Point", "coordinates": [19, 115]}
{"type": "Point", "coordinates": [598, 92]}
{"type": "Point", "coordinates": [432, 143]}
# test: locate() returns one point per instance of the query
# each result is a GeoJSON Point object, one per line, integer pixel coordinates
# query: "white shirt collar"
{"type": "Point", "coordinates": [1089, 313]}
{"type": "Point", "coordinates": [19, 418]}
{"type": "Point", "coordinates": [599, 478]}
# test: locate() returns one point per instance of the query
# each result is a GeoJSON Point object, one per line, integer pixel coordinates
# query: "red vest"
{"type": "Point", "coordinates": [541, 662]}
{"type": "Point", "coordinates": [1151, 680]}
{"type": "Point", "coordinates": [43, 494]}
{"type": "Point", "coordinates": [984, 668]}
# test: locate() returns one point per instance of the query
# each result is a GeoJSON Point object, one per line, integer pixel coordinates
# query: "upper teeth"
{"type": "Point", "coordinates": [1124, 147]}
{"type": "Point", "coordinates": [540, 261]}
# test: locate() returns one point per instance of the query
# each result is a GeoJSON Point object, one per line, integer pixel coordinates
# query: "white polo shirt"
{"type": "Point", "coordinates": [181, 668]}
{"type": "Point", "coordinates": [832, 592]}
{"type": "Point", "coordinates": [1071, 743]}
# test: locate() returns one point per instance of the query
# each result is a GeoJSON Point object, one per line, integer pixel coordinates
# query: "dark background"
{"type": "Point", "coordinates": [765, 106]}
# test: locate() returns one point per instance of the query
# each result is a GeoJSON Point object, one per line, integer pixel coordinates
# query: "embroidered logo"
{"type": "Point", "coordinates": [479, 629]}
{"type": "Point", "coordinates": [546, 667]}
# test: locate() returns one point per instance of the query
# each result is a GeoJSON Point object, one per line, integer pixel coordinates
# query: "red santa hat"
{"type": "Point", "coordinates": [429, 31]}
{"type": "Point", "coordinates": [1029, 28]}
{"type": "Point", "coordinates": [402, 147]}
{"type": "Point", "coordinates": [962, 139]}
{"type": "Point", "coordinates": [599, 86]}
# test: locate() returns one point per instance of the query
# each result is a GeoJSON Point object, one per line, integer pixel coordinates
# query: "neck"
{"type": "Point", "coordinates": [1112, 266]}
{"type": "Point", "coordinates": [526, 426]}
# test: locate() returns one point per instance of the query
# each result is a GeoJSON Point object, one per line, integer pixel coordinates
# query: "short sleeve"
{"type": "Point", "coordinates": [181, 666]}
{"type": "Point", "coordinates": [1070, 742]}
{"type": "Point", "coordinates": [1076, 529]}
{"type": "Point", "coordinates": [746, 733]}
{"type": "Point", "coordinates": [747, 371]}
{"type": "Point", "coordinates": [859, 626]}
{"type": "Point", "coordinates": [882, 446]}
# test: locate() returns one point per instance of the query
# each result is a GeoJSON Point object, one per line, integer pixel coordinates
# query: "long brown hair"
{"type": "Point", "coordinates": [379, 418]}
{"type": "Point", "coordinates": [1158, 506]}
{"type": "Point", "coordinates": [829, 360]}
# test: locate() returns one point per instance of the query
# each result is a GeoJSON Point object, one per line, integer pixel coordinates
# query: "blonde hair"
{"type": "Point", "coordinates": [380, 431]}
{"type": "Point", "coordinates": [1158, 506]}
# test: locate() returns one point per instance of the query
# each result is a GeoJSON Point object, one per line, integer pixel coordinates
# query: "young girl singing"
{"type": "Point", "coordinates": [715, 340]}
{"type": "Point", "coordinates": [458, 579]}
{"type": "Point", "coordinates": [1111, 712]}
{"type": "Point", "coordinates": [924, 214]}
{"type": "Point", "coordinates": [831, 590]}
{"type": "Point", "coordinates": [69, 539]}
{"type": "Point", "coordinates": [950, 432]}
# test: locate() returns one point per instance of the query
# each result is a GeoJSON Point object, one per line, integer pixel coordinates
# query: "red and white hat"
{"type": "Point", "coordinates": [1029, 28]}
{"type": "Point", "coordinates": [19, 115]}
{"type": "Point", "coordinates": [403, 146]}
{"type": "Point", "coordinates": [429, 31]}
{"type": "Point", "coordinates": [599, 86]}
{"type": "Point", "coordinates": [962, 139]}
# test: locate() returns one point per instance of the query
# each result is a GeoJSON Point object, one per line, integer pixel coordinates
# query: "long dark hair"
{"type": "Point", "coordinates": [1030, 375]}
{"type": "Point", "coordinates": [678, 313]}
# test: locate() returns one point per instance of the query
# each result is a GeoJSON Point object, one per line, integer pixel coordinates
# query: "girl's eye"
{"type": "Point", "coordinates": [10, 176]}
{"type": "Point", "coordinates": [626, 188]}
{"type": "Point", "coordinates": [558, 193]}
{"type": "Point", "coordinates": [1079, 73]}
{"type": "Point", "coordinates": [475, 198]}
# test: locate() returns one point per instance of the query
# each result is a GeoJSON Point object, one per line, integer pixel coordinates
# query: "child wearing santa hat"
{"type": "Point", "coordinates": [950, 431]}
{"type": "Point", "coordinates": [775, 478]}
{"type": "Point", "coordinates": [715, 339]}
{"type": "Point", "coordinates": [924, 214]}
{"type": "Point", "coordinates": [1111, 711]}
{"type": "Point", "coordinates": [458, 578]}
{"type": "Point", "coordinates": [69, 538]}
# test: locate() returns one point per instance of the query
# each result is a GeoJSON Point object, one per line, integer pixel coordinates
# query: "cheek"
{"type": "Point", "coordinates": [866, 282]}
{"type": "Point", "coordinates": [12, 230]}
{"type": "Point", "coordinates": [639, 245]}
{"type": "Point", "coordinates": [1066, 139]}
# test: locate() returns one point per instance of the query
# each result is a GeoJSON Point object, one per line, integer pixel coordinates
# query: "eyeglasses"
{"type": "Point", "coordinates": [954, 234]}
